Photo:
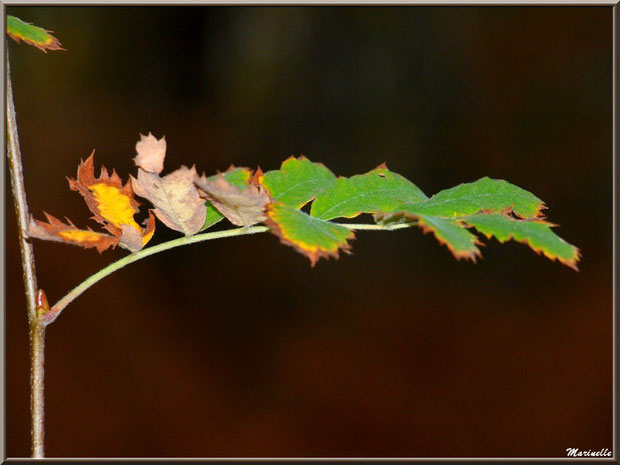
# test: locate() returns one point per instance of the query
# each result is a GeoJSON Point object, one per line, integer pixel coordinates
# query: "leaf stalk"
{"type": "Point", "coordinates": [57, 309]}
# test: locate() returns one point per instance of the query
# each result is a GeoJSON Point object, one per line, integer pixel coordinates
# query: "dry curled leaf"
{"type": "Point", "coordinates": [175, 197]}
{"type": "Point", "coordinates": [242, 207]}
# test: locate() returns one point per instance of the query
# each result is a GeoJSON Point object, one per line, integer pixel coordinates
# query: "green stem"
{"type": "Point", "coordinates": [374, 227]}
{"type": "Point", "coordinates": [134, 257]}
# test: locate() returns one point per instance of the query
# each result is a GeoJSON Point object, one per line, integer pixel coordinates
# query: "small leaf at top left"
{"type": "Point", "coordinates": [38, 37]}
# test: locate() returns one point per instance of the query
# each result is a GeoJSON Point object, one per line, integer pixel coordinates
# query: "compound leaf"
{"type": "Point", "coordinates": [494, 208]}
{"type": "Point", "coordinates": [19, 30]}
{"type": "Point", "coordinates": [310, 236]}
{"type": "Point", "coordinates": [297, 181]}
{"type": "Point", "coordinates": [379, 190]}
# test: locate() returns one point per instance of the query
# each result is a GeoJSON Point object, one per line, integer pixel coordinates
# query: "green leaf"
{"type": "Point", "coordinates": [310, 236]}
{"type": "Point", "coordinates": [487, 205]}
{"type": "Point", "coordinates": [451, 233]}
{"type": "Point", "coordinates": [38, 37]}
{"type": "Point", "coordinates": [297, 181]}
{"type": "Point", "coordinates": [239, 177]}
{"type": "Point", "coordinates": [535, 233]}
{"type": "Point", "coordinates": [484, 194]}
{"type": "Point", "coordinates": [379, 190]}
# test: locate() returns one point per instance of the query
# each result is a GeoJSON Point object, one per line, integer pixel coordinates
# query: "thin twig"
{"type": "Point", "coordinates": [59, 306]}
{"type": "Point", "coordinates": [117, 265]}
{"type": "Point", "coordinates": [37, 329]}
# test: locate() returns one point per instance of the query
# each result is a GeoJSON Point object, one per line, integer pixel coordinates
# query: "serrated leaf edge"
{"type": "Point", "coordinates": [572, 263]}
{"type": "Point", "coordinates": [313, 253]}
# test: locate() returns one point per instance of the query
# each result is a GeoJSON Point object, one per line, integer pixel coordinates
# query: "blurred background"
{"type": "Point", "coordinates": [238, 348]}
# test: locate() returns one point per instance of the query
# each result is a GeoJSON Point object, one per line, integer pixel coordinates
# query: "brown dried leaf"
{"type": "Point", "coordinates": [242, 207]}
{"type": "Point", "coordinates": [175, 197]}
{"type": "Point", "coordinates": [151, 153]}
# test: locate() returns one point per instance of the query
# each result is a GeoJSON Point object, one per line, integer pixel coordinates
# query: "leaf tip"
{"type": "Point", "coordinates": [257, 177]}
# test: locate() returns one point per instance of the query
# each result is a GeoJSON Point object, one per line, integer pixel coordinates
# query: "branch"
{"type": "Point", "coordinates": [57, 309]}
{"type": "Point", "coordinates": [37, 329]}
{"type": "Point", "coordinates": [19, 198]}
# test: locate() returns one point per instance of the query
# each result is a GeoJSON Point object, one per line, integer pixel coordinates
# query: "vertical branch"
{"type": "Point", "coordinates": [37, 329]}
{"type": "Point", "coordinates": [37, 390]}
{"type": "Point", "coordinates": [19, 198]}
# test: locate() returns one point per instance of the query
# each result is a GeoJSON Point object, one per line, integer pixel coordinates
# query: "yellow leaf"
{"type": "Point", "coordinates": [114, 205]}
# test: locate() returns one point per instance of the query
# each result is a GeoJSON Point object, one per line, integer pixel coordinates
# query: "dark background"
{"type": "Point", "coordinates": [238, 347]}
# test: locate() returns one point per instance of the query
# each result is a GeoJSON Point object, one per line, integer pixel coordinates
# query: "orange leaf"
{"type": "Point", "coordinates": [56, 230]}
{"type": "Point", "coordinates": [112, 204]}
